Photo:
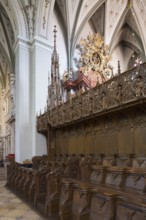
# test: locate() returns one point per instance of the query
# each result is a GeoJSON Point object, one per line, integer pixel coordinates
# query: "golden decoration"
{"type": "Point", "coordinates": [94, 53]}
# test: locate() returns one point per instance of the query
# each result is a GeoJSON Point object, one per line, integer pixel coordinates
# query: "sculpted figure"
{"type": "Point", "coordinates": [139, 90]}
{"type": "Point", "coordinates": [68, 165]}
{"type": "Point", "coordinates": [104, 100]}
{"type": "Point", "coordinates": [82, 167]}
{"type": "Point", "coordinates": [119, 93]}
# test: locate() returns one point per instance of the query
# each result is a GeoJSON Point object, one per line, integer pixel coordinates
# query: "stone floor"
{"type": "Point", "coordinates": [12, 207]}
{"type": "Point", "coordinates": [3, 175]}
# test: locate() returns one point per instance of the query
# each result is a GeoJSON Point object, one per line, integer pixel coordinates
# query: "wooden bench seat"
{"type": "Point", "coordinates": [27, 184]}
{"type": "Point", "coordinates": [130, 209]}
{"type": "Point", "coordinates": [128, 183]}
{"type": "Point", "coordinates": [108, 191]}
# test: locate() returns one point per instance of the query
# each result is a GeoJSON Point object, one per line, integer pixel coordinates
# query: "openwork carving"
{"type": "Point", "coordinates": [77, 108]}
{"type": "Point", "coordinates": [86, 104]}
{"type": "Point", "coordinates": [100, 99]}
{"type": "Point", "coordinates": [95, 54]}
{"type": "Point", "coordinates": [124, 90]}
{"type": "Point", "coordinates": [42, 122]}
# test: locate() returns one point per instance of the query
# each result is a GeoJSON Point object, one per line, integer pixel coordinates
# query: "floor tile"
{"type": "Point", "coordinates": [11, 206]}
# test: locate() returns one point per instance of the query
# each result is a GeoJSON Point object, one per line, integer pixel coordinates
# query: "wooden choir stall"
{"type": "Point", "coordinates": [96, 162]}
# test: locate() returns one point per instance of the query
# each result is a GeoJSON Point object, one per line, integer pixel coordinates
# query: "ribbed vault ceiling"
{"type": "Point", "coordinates": [69, 14]}
{"type": "Point", "coordinates": [72, 15]}
{"type": "Point", "coordinates": [6, 46]}
{"type": "Point", "coordinates": [129, 35]}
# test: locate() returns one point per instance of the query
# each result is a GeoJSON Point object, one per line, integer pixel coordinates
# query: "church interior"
{"type": "Point", "coordinates": [73, 109]}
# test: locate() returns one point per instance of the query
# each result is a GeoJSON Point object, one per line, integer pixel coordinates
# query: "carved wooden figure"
{"type": "Point", "coordinates": [139, 87]}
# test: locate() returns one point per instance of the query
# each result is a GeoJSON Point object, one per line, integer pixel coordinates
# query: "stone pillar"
{"type": "Point", "coordinates": [2, 121]}
{"type": "Point", "coordinates": [41, 59]}
{"type": "Point", "coordinates": [4, 147]}
{"type": "Point", "coordinates": [12, 93]}
{"type": "Point", "coordinates": [12, 113]}
{"type": "Point", "coordinates": [32, 65]}
{"type": "Point", "coordinates": [24, 133]}
{"type": "Point", "coordinates": [13, 137]}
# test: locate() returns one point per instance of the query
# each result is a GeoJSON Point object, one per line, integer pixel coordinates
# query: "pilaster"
{"type": "Point", "coordinates": [41, 63]}
{"type": "Point", "coordinates": [32, 67]}
{"type": "Point", "coordinates": [23, 140]}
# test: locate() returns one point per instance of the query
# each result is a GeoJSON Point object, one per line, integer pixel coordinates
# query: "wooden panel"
{"type": "Point", "coordinates": [124, 141]}
{"type": "Point", "coordinates": [100, 144]}
{"type": "Point", "coordinates": [140, 140]}
{"type": "Point", "coordinates": [111, 142]}
{"type": "Point", "coordinates": [123, 134]}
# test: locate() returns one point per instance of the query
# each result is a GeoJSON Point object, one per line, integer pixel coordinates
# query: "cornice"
{"type": "Point", "coordinates": [42, 44]}
{"type": "Point", "coordinates": [30, 44]}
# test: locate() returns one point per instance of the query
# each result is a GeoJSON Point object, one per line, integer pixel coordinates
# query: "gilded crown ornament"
{"type": "Point", "coordinates": [94, 53]}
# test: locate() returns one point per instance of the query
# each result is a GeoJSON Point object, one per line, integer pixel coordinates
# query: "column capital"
{"type": "Point", "coordinates": [42, 44]}
{"type": "Point", "coordinates": [30, 44]}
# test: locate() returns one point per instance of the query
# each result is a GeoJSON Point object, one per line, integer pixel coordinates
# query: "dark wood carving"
{"type": "Point", "coordinates": [111, 192]}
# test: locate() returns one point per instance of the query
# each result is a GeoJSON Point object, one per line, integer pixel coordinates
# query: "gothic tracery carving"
{"type": "Point", "coordinates": [102, 98]}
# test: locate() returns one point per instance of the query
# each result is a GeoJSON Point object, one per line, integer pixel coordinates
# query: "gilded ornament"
{"type": "Point", "coordinates": [95, 55]}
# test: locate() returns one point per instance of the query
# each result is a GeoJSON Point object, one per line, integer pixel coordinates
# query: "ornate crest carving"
{"type": "Point", "coordinates": [95, 56]}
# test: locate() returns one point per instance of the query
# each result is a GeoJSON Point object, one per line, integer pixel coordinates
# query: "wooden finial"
{"type": "Point", "coordinates": [119, 69]}
{"type": "Point", "coordinates": [55, 31]}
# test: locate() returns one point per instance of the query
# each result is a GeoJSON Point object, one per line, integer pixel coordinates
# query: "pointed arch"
{"type": "Point", "coordinates": [119, 25]}
{"type": "Point", "coordinates": [17, 17]}
{"type": "Point", "coordinates": [117, 29]}
{"type": "Point", "coordinates": [125, 40]}
{"type": "Point", "coordinates": [79, 29]}
{"type": "Point", "coordinates": [140, 23]}
{"type": "Point", "coordinates": [7, 60]}
{"type": "Point", "coordinates": [2, 49]}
